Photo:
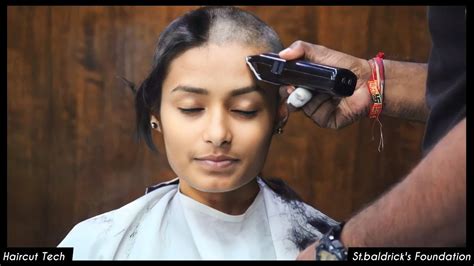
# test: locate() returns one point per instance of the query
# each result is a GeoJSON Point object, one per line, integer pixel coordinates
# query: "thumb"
{"type": "Point", "coordinates": [295, 50]}
{"type": "Point", "coordinates": [300, 49]}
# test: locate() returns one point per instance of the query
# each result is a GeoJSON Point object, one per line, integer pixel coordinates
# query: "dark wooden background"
{"type": "Point", "coordinates": [71, 151]}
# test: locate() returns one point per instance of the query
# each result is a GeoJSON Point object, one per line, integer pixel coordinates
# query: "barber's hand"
{"type": "Point", "coordinates": [309, 253]}
{"type": "Point", "coordinates": [323, 109]}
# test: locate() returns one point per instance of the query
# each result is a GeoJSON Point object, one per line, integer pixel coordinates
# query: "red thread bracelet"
{"type": "Point", "coordinates": [376, 85]}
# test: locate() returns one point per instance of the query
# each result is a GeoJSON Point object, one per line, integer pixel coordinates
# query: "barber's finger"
{"type": "Point", "coordinates": [285, 91]}
{"type": "Point", "coordinates": [295, 50]}
{"type": "Point", "coordinates": [300, 49]}
{"type": "Point", "coordinates": [312, 106]}
{"type": "Point", "coordinates": [291, 108]}
{"type": "Point", "coordinates": [325, 113]}
{"type": "Point", "coordinates": [321, 108]}
{"type": "Point", "coordinates": [290, 89]}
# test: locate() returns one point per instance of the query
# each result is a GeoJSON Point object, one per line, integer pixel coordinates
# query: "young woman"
{"type": "Point", "coordinates": [217, 124]}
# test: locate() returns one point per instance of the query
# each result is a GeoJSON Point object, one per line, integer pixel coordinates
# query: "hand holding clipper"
{"type": "Point", "coordinates": [305, 76]}
{"type": "Point", "coordinates": [337, 82]}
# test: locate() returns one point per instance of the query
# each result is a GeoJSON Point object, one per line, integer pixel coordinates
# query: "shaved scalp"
{"type": "Point", "coordinates": [229, 24]}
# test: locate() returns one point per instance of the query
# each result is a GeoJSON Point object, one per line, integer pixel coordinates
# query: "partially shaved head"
{"type": "Point", "coordinates": [229, 24]}
{"type": "Point", "coordinates": [228, 29]}
{"type": "Point", "coordinates": [205, 25]}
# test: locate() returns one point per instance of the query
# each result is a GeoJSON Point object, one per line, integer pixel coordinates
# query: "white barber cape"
{"type": "Point", "coordinates": [167, 225]}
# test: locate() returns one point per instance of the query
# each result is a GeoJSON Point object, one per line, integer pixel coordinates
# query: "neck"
{"type": "Point", "coordinates": [233, 202]}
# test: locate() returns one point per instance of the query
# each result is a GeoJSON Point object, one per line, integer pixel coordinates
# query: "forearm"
{"type": "Point", "coordinates": [405, 86]}
{"type": "Point", "coordinates": [427, 208]}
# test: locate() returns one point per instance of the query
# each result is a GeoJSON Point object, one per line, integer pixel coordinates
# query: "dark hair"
{"type": "Point", "coordinates": [193, 29]}
{"type": "Point", "coordinates": [216, 25]}
{"type": "Point", "coordinates": [300, 234]}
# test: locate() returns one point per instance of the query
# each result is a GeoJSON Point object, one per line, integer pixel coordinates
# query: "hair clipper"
{"type": "Point", "coordinates": [307, 77]}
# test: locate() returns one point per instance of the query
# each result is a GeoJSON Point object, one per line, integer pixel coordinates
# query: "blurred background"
{"type": "Point", "coordinates": [70, 121]}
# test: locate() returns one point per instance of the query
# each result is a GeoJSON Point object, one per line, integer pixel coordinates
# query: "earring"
{"type": "Point", "coordinates": [154, 125]}
{"type": "Point", "coordinates": [280, 131]}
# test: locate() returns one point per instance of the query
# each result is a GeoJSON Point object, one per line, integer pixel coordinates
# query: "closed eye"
{"type": "Point", "coordinates": [190, 110]}
{"type": "Point", "coordinates": [246, 113]}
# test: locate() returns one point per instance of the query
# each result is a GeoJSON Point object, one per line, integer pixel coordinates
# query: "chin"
{"type": "Point", "coordinates": [215, 184]}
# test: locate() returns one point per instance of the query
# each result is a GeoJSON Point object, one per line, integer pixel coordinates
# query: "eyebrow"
{"type": "Point", "coordinates": [202, 91]}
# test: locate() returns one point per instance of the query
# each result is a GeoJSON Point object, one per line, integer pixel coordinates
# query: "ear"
{"type": "Point", "coordinates": [282, 115]}
{"type": "Point", "coordinates": [154, 120]}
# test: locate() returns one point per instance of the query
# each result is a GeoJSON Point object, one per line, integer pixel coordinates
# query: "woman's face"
{"type": "Point", "coordinates": [216, 124]}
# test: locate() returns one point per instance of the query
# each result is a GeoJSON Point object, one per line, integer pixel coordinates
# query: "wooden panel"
{"type": "Point", "coordinates": [28, 125]}
{"type": "Point", "coordinates": [71, 148]}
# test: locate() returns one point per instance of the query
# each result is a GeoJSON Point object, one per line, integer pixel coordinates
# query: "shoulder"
{"type": "Point", "coordinates": [99, 237]}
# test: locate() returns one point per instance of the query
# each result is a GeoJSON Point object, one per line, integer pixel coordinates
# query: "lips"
{"type": "Point", "coordinates": [217, 162]}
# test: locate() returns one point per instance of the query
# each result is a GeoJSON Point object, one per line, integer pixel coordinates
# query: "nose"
{"type": "Point", "coordinates": [217, 131]}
